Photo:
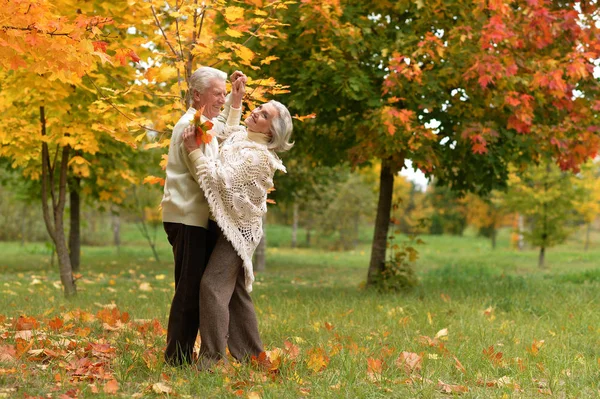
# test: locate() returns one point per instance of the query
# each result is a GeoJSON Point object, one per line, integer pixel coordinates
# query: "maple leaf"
{"type": "Point", "coordinates": [100, 45]}
{"type": "Point", "coordinates": [161, 388]}
{"type": "Point", "coordinates": [26, 323]}
{"type": "Point", "coordinates": [232, 13]}
{"type": "Point", "coordinates": [292, 350]}
{"type": "Point", "coordinates": [8, 353]}
{"type": "Point", "coordinates": [317, 360]}
{"type": "Point", "coordinates": [305, 117]}
{"type": "Point", "coordinates": [134, 57]}
{"type": "Point", "coordinates": [374, 369]}
{"type": "Point", "coordinates": [153, 180]}
{"type": "Point", "coordinates": [411, 362]}
{"type": "Point", "coordinates": [111, 387]}
{"type": "Point", "coordinates": [449, 388]}
{"type": "Point", "coordinates": [479, 148]}
{"type": "Point", "coordinates": [202, 128]}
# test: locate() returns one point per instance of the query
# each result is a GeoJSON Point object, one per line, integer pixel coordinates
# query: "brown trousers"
{"type": "Point", "coordinates": [227, 316]}
{"type": "Point", "coordinates": [192, 247]}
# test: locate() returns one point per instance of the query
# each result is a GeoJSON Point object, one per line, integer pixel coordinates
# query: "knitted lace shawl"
{"type": "Point", "coordinates": [235, 183]}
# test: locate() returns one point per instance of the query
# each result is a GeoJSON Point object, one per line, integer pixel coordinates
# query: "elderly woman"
{"type": "Point", "coordinates": [235, 182]}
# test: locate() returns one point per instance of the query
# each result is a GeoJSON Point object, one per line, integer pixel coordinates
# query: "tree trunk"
{"type": "Point", "coordinates": [260, 255]}
{"type": "Point", "coordinates": [23, 225]}
{"type": "Point", "coordinates": [542, 258]}
{"type": "Point", "coordinates": [295, 224]}
{"type": "Point", "coordinates": [587, 236]}
{"type": "Point", "coordinates": [75, 224]}
{"type": "Point", "coordinates": [55, 220]}
{"type": "Point", "coordinates": [356, 230]}
{"type": "Point", "coordinates": [116, 227]}
{"type": "Point", "coordinates": [494, 235]}
{"type": "Point", "coordinates": [382, 222]}
{"type": "Point", "coordinates": [520, 242]}
{"type": "Point", "coordinates": [308, 237]}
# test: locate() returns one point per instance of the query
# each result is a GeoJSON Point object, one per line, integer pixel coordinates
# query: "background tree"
{"type": "Point", "coordinates": [588, 203]}
{"type": "Point", "coordinates": [545, 196]}
{"type": "Point", "coordinates": [487, 213]}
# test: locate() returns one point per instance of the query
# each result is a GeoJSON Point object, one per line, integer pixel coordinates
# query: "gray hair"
{"type": "Point", "coordinates": [202, 77]}
{"type": "Point", "coordinates": [281, 128]}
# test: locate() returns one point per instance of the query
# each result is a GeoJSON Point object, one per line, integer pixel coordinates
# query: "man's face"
{"type": "Point", "coordinates": [212, 99]}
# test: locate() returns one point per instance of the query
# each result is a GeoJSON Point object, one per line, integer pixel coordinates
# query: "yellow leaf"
{"type": "Point", "coordinates": [160, 387]}
{"type": "Point", "coordinates": [232, 13]}
{"type": "Point", "coordinates": [233, 33]}
{"type": "Point", "coordinates": [268, 60]}
{"type": "Point", "coordinates": [245, 54]}
{"type": "Point", "coordinates": [442, 333]}
{"type": "Point", "coordinates": [317, 360]}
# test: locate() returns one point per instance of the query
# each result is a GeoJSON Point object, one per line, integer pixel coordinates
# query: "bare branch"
{"type": "Point", "coordinates": [32, 28]}
{"type": "Point", "coordinates": [178, 56]}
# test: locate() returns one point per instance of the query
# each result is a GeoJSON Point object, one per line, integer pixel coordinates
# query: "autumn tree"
{"type": "Point", "coordinates": [487, 213]}
{"type": "Point", "coordinates": [71, 75]}
{"type": "Point", "coordinates": [461, 88]}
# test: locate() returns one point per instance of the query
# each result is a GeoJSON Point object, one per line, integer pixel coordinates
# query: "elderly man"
{"type": "Point", "coordinates": [185, 209]}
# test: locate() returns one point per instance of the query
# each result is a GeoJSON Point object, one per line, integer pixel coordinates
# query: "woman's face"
{"type": "Point", "coordinates": [261, 117]}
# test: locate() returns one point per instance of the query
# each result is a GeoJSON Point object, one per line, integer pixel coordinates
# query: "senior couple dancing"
{"type": "Point", "coordinates": [214, 199]}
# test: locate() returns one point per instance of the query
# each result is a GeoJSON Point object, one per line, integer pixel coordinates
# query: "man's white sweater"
{"type": "Point", "coordinates": [183, 200]}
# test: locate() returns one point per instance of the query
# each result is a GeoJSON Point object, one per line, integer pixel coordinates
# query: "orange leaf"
{"type": "Point", "coordinates": [111, 387]}
{"type": "Point", "coordinates": [305, 117]}
{"type": "Point", "coordinates": [26, 323]}
{"type": "Point", "coordinates": [153, 180]}
{"type": "Point", "coordinates": [374, 369]}
{"type": "Point", "coordinates": [448, 388]}
{"type": "Point", "coordinates": [56, 323]}
{"type": "Point", "coordinates": [134, 57]}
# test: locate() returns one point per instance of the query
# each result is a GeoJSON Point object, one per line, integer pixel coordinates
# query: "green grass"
{"type": "Point", "coordinates": [315, 300]}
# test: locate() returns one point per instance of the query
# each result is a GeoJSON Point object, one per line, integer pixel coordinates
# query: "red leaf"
{"type": "Point", "coordinates": [134, 57]}
{"type": "Point", "coordinates": [100, 45]}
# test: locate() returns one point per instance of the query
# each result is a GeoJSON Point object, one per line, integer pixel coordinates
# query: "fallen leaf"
{"type": "Point", "coordinates": [410, 362]}
{"type": "Point", "coordinates": [160, 387]}
{"type": "Point", "coordinates": [459, 365]}
{"type": "Point", "coordinates": [293, 351]}
{"type": "Point", "coordinates": [449, 388]}
{"type": "Point", "coordinates": [317, 359]}
{"type": "Point", "coordinates": [112, 386]}
{"type": "Point", "coordinates": [145, 287]}
{"type": "Point", "coordinates": [442, 333]}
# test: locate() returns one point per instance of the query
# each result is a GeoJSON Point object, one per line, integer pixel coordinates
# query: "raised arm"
{"type": "Point", "coordinates": [232, 110]}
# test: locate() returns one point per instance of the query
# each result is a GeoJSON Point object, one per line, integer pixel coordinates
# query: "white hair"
{"type": "Point", "coordinates": [201, 78]}
{"type": "Point", "coordinates": [281, 128]}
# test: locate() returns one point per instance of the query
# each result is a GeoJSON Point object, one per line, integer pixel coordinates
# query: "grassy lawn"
{"type": "Point", "coordinates": [482, 323]}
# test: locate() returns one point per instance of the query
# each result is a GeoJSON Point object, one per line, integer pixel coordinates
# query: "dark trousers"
{"type": "Point", "coordinates": [227, 316]}
{"type": "Point", "coordinates": [192, 247]}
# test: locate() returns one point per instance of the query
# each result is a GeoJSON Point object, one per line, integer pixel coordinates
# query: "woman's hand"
{"type": "Point", "coordinates": [189, 139]}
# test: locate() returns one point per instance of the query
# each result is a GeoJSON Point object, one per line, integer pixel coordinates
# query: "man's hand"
{"type": "Point", "coordinates": [189, 139]}
{"type": "Point", "coordinates": [238, 88]}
